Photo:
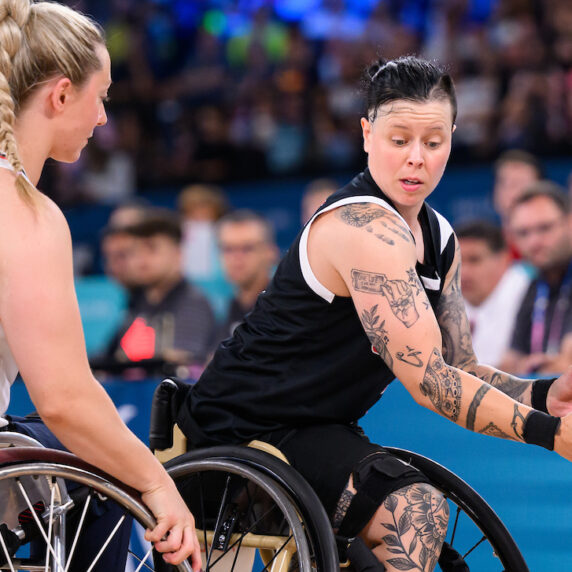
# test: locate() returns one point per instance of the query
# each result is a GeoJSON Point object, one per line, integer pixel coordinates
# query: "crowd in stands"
{"type": "Point", "coordinates": [217, 91]}
{"type": "Point", "coordinates": [207, 94]}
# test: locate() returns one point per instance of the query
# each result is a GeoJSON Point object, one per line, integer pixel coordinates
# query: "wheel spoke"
{"type": "Point", "coordinates": [49, 547]}
{"type": "Point", "coordinates": [455, 526]}
{"type": "Point", "coordinates": [50, 522]}
{"type": "Point", "coordinates": [109, 538]}
{"type": "Point", "coordinates": [477, 544]}
{"type": "Point", "coordinates": [78, 530]}
{"type": "Point", "coordinates": [143, 561]}
{"type": "Point", "coordinates": [6, 554]}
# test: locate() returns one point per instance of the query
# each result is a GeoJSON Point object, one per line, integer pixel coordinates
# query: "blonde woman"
{"type": "Point", "coordinates": [54, 78]}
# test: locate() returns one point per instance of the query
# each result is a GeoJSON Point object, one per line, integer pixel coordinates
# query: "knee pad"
{"type": "Point", "coordinates": [374, 478]}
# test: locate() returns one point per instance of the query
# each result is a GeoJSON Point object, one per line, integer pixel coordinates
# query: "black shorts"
{"type": "Point", "coordinates": [326, 456]}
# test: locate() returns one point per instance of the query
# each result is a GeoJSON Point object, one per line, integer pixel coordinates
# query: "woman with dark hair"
{"type": "Point", "coordinates": [369, 292]}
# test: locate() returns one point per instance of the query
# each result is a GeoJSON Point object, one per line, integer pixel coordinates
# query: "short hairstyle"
{"type": "Point", "coordinates": [484, 230]}
{"type": "Point", "coordinates": [40, 41]}
{"type": "Point", "coordinates": [246, 215]}
{"type": "Point", "coordinates": [544, 188]}
{"type": "Point", "coordinates": [158, 222]}
{"type": "Point", "coordinates": [321, 185]}
{"type": "Point", "coordinates": [408, 78]}
{"type": "Point", "coordinates": [203, 194]}
{"type": "Point", "coordinates": [520, 156]}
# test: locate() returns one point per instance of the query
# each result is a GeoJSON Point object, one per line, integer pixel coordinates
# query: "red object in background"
{"type": "Point", "coordinates": [138, 341]}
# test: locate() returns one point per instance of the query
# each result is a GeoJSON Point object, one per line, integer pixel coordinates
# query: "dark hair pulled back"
{"type": "Point", "coordinates": [408, 77]}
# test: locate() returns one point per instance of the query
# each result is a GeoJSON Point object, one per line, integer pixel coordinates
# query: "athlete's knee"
{"type": "Point", "coordinates": [376, 478]}
{"type": "Point", "coordinates": [420, 509]}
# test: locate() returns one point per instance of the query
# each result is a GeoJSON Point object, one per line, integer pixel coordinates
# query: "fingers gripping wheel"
{"type": "Point", "coordinates": [61, 514]}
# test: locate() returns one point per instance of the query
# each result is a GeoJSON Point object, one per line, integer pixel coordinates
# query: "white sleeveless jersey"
{"type": "Point", "coordinates": [8, 367]}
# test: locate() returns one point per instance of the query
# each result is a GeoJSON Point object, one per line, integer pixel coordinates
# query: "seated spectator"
{"type": "Point", "coordinates": [315, 193]}
{"type": "Point", "coordinates": [249, 254]}
{"type": "Point", "coordinates": [540, 224]}
{"type": "Point", "coordinates": [168, 319]}
{"type": "Point", "coordinates": [514, 171]}
{"type": "Point", "coordinates": [200, 207]}
{"type": "Point", "coordinates": [117, 244]}
{"type": "Point", "coordinates": [492, 287]}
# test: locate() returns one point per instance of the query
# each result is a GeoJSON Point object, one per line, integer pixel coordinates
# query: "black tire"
{"type": "Point", "coordinates": [491, 530]}
{"type": "Point", "coordinates": [277, 478]}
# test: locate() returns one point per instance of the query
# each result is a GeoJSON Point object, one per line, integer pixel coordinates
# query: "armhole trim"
{"type": "Point", "coordinates": [314, 284]}
{"type": "Point", "coordinates": [445, 230]}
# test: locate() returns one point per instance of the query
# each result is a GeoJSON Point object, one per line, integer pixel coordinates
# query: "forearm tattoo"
{"type": "Point", "coordinates": [455, 331]}
{"type": "Point", "coordinates": [472, 413]}
{"type": "Point", "coordinates": [457, 346]}
{"type": "Point", "coordinates": [508, 384]}
{"type": "Point", "coordinates": [377, 334]}
{"type": "Point", "coordinates": [442, 385]}
{"type": "Point", "coordinates": [399, 293]}
{"type": "Point", "coordinates": [427, 515]}
{"type": "Point", "coordinates": [411, 358]}
{"type": "Point", "coordinates": [517, 423]}
{"type": "Point", "coordinates": [492, 429]}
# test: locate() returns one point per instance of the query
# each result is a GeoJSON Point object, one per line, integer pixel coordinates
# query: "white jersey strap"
{"type": "Point", "coordinates": [307, 272]}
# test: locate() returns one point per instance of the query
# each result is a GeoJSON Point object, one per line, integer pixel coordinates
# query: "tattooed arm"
{"type": "Point", "coordinates": [457, 344]}
{"type": "Point", "coordinates": [350, 254]}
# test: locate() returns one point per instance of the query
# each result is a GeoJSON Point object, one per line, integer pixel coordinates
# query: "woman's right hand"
{"type": "Point", "coordinates": [174, 535]}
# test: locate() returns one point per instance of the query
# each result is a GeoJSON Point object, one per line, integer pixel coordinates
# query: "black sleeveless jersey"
{"type": "Point", "coordinates": [301, 356]}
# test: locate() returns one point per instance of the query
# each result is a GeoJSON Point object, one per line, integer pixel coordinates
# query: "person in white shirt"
{"type": "Point", "coordinates": [493, 287]}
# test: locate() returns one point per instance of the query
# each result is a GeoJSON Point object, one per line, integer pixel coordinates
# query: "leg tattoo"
{"type": "Point", "coordinates": [412, 528]}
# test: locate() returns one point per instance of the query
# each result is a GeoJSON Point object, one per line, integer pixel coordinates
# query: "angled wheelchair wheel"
{"type": "Point", "coordinates": [477, 537]}
{"type": "Point", "coordinates": [253, 512]}
{"type": "Point", "coordinates": [50, 510]}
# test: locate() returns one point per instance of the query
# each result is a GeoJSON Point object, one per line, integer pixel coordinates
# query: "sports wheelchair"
{"type": "Point", "coordinates": [248, 500]}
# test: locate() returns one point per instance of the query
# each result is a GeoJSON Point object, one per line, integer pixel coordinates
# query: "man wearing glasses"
{"type": "Point", "coordinates": [540, 225]}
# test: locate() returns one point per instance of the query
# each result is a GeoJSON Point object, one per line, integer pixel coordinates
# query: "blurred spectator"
{"type": "Point", "coordinates": [169, 319]}
{"type": "Point", "coordinates": [249, 254]}
{"type": "Point", "coordinates": [200, 207]}
{"type": "Point", "coordinates": [492, 287]}
{"type": "Point", "coordinates": [117, 243]}
{"type": "Point", "coordinates": [514, 171]}
{"type": "Point", "coordinates": [109, 173]}
{"type": "Point", "coordinates": [315, 193]}
{"type": "Point", "coordinates": [541, 226]}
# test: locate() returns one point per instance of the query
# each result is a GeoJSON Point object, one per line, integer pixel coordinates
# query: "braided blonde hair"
{"type": "Point", "coordinates": [39, 41]}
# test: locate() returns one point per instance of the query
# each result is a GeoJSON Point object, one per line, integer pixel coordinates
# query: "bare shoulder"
{"type": "Point", "coordinates": [355, 221]}
{"type": "Point", "coordinates": [30, 228]}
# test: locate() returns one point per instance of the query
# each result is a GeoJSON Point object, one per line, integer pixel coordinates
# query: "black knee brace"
{"type": "Point", "coordinates": [376, 477]}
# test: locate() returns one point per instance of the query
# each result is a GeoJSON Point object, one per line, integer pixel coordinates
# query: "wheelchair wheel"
{"type": "Point", "coordinates": [50, 511]}
{"type": "Point", "coordinates": [476, 534]}
{"type": "Point", "coordinates": [246, 501]}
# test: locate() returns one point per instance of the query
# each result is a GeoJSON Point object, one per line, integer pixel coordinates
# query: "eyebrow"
{"type": "Point", "coordinates": [406, 128]}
